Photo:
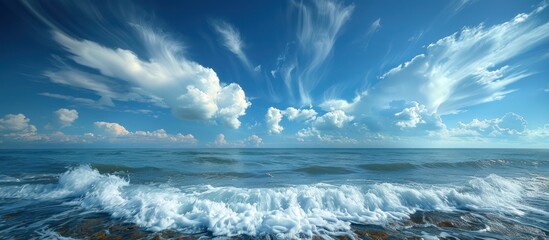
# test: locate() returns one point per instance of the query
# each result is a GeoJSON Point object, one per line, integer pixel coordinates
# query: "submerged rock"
{"type": "Point", "coordinates": [375, 235]}
{"type": "Point", "coordinates": [446, 224]}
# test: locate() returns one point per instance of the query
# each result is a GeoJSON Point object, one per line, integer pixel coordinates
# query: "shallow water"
{"type": "Point", "coordinates": [274, 193]}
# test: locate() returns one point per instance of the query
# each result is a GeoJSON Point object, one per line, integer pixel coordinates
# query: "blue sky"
{"type": "Point", "coordinates": [327, 73]}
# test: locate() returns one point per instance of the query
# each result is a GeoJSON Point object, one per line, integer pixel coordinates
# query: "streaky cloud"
{"type": "Point", "coordinates": [470, 67]}
{"type": "Point", "coordinates": [318, 27]}
{"type": "Point", "coordinates": [151, 68]}
{"type": "Point", "coordinates": [233, 42]}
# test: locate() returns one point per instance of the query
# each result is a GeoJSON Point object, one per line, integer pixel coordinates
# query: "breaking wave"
{"type": "Point", "coordinates": [286, 212]}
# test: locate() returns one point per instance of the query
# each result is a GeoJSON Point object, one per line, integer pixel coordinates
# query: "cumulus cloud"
{"type": "Point", "coordinates": [232, 104]}
{"type": "Point", "coordinates": [220, 140]}
{"type": "Point", "coordinates": [16, 123]}
{"type": "Point", "coordinates": [312, 134]}
{"type": "Point", "coordinates": [254, 140]}
{"type": "Point", "coordinates": [470, 67]}
{"type": "Point", "coordinates": [274, 116]}
{"type": "Point", "coordinates": [250, 141]}
{"type": "Point", "coordinates": [332, 120]}
{"type": "Point", "coordinates": [141, 64]}
{"type": "Point", "coordinates": [300, 114]}
{"type": "Point", "coordinates": [110, 128]}
{"type": "Point", "coordinates": [307, 133]}
{"type": "Point", "coordinates": [541, 132]}
{"type": "Point", "coordinates": [466, 68]}
{"type": "Point", "coordinates": [340, 104]}
{"type": "Point", "coordinates": [114, 132]}
{"type": "Point", "coordinates": [509, 125]}
{"type": "Point", "coordinates": [272, 119]}
{"type": "Point", "coordinates": [411, 116]}
{"type": "Point", "coordinates": [189, 89]}
{"type": "Point", "coordinates": [232, 40]}
{"type": "Point", "coordinates": [17, 127]}
{"type": "Point", "coordinates": [66, 117]}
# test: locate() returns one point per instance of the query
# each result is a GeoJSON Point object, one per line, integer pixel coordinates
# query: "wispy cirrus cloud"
{"type": "Point", "coordinates": [232, 40]}
{"type": "Point", "coordinates": [376, 25]}
{"type": "Point", "coordinates": [318, 27]}
{"type": "Point", "coordinates": [473, 66]}
{"type": "Point", "coordinates": [79, 100]}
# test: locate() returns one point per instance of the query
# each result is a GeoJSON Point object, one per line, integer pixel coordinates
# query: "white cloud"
{"type": "Point", "coordinates": [250, 141]}
{"type": "Point", "coordinates": [411, 117]}
{"type": "Point", "coordinates": [11, 123]}
{"type": "Point", "coordinates": [84, 101]}
{"type": "Point", "coordinates": [308, 134]}
{"type": "Point", "coordinates": [233, 41]}
{"type": "Point", "coordinates": [254, 140]}
{"type": "Point", "coordinates": [66, 117]}
{"type": "Point", "coordinates": [232, 104]}
{"type": "Point", "coordinates": [375, 26]}
{"type": "Point", "coordinates": [465, 68]}
{"type": "Point", "coordinates": [340, 104]}
{"type": "Point", "coordinates": [114, 132]}
{"type": "Point", "coordinates": [542, 132]}
{"type": "Point", "coordinates": [509, 125]}
{"type": "Point", "coordinates": [220, 140]}
{"type": "Point", "coordinates": [473, 66]}
{"type": "Point", "coordinates": [300, 114]}
{"type": "Point", "coordinates": [139, 111]}
{"type": "Point", "coordinates": [479, 125]}
{"type": "Point", "coordinates": [165, 78]}
{"type": "Point", "coordinates": [110, 128]}
{"type": "Point", "coordinates": [17, 127]}
{"type": "Point", "coordinates": [318, 27]}
{"type": "Point", "coordinates": [272, 119]}
{"type": "Point", "coordinates": [163, 135]}
{"type": "Point", "coordinates": [60, 137]}
{"type": "Point", "coordinates": [332, 120]}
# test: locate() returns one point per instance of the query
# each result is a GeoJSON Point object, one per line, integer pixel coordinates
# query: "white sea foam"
{"type": "Point", "coordinates": [286, 212]}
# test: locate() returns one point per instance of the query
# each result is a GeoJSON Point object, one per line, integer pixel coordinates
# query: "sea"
{"type": "Point", "coordinates": [274, 194]}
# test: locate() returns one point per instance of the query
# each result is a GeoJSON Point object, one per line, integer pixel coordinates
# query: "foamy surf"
{"type": "Point", "coordinates": [285, 212]}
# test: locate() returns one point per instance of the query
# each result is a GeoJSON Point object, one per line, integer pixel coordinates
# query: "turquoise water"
{"type": "Point", "coordinates": [279, 193]}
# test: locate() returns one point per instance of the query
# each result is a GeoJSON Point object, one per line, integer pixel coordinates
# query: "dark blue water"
{"type": "Point", "coordinates": [280, 193]}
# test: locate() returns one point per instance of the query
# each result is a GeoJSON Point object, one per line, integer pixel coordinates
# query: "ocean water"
{"type": "Point", "coordinates": [274, 194]}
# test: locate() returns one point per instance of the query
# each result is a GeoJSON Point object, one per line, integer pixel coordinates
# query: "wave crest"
{"type": "Point", "coordinates": [286, 212]}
